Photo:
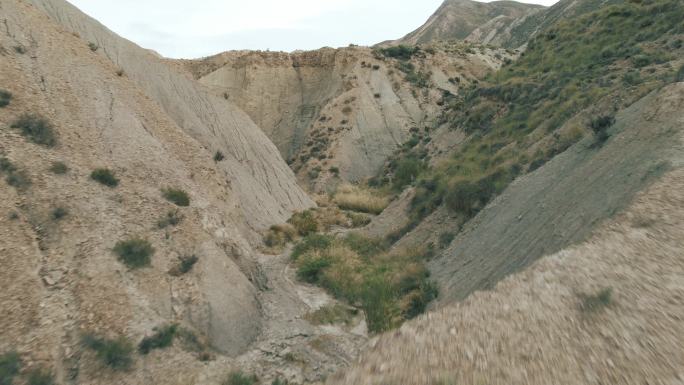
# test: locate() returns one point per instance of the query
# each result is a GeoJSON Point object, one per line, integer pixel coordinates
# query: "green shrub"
{"type": "Point", "coordinates": [419, 299]}
{"type": "Point", "coordinates": [37, 129]}
{"type": "Point", "coordinates": [93, 46]}
{"type": "Point", "coordinates": [377, 299]}
{"type": "Point", "coordinates": [311, 242]}
{"type": "Point", "coordinates": [134, 252]}
{"type": "Point", "coordinates": [311, 267]}
{"type": "Point", "coordinates": [19, 49]}
{"type": "Point", "coordinates": [407, 170]}
{"type": "Point", "coordinates": [115, 353]}
{"type": "Point", "coordinates": [59, 213]}
{"type": "Point", "coordinates": [679, 76]}
{"type": "Point", "coordinates": [162, 338]}
{"type": "Point", "coordinates": [600, 125]}
{"type": "Point", "coordinates": [239, 378]}
{"type": "Point", "coordinates": [445, 239]}
{"type": "Point", "coordinates": [184, 266]}
{"type": "Point", "coordinates": [304, 222]}
{"type": "Point", "coordinates": [18, 179]}
{"type": "Point", "coordinates": [466, 198]}
{"type": "Point", "coordinates": [176, 196]}
{"type": "Point", "coordinates": [279, 381]}
{"type": "Point", "coordinates": [365, 246]}
{"type": "Point", "coordinates": [401, 52]}
{"type": "Point", "coordinates": [5, 98]}
{"type": "Point", "coordinates": [40, 377]}
{"type": "Point", "coordinates": [594, 302]}
{"type": "Point", "coordinates": [104, 176]}
{"type": "Point", "coordinates": [172, 218]}
{"type": "Point", "coordinates": [332, 314]}
{"type": "Point", "coordinates": [9, 367]}
{"type": "Point", "coordinates": [218, 156]}
{"type": "Point", "coordinates": [59, 168]}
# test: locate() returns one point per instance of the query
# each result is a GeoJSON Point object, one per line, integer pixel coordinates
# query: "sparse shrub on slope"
{"type": "Point", "coordinates": [14, 176]}
{"type": "Point", "coordinates": [105, 177]}
{"type": "Point", "coordinates": [9, 367]}
{"type": "Point", "coordinates": [240, 378]}
{"type": "Point", "coordinates": [40, 376]}
{"type": "Point", "coordinates": [135, 252]}
{"type": "Point", "coordinates": [59, 168]}
{"type": "Point", "coordinates": [401, 52]}
{"type": "Point", "coordinates": [597, 301]}
{"type": "Point", "coordinates": [304, 222]}
{"type": "Point", "coordinates": [355, 198]}
{"type": "Point", "coordinates": [5, 98]}
{"type": "Point", "coordinates": [185, 265]}
{"type": "Point", "coordinates": [162, 338]}
{"type": "Point", "coordinates": [115, 353]}
{"type": "Point", "coordinates": [176, 196]}
{"type": "Point", "coordinates": [37, 129]}
{"type": "Point", "coordinates": [679, 76]}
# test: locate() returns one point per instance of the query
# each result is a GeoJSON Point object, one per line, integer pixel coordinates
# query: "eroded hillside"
{"type": "Point", "coordinates": [337, 114]}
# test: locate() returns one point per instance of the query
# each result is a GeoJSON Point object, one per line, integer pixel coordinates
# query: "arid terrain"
{"type": "Point", "coordinates": [494, 198]}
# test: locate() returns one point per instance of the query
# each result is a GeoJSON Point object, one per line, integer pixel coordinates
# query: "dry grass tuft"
{"type": "Point", "coordinates": [356, 198]}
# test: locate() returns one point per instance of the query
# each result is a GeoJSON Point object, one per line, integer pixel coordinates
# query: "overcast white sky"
{"type": "Point", "coordinates": [190, 29]}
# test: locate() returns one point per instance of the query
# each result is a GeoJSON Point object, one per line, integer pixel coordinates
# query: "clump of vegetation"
{"type": "Point", "coordinates": [218, 156]}
{"type": "Point", "coordinates": [356, 198]}
{"type": "Point", "coordinates": [332, 314]}
{"type": "Point", "coordinates": [600, 125]}
{"type": "Point", "coordinates": [40, 377]}
{"type": "Point", "coordinates": [401, 52]}
{"type": "Point", "coordinates": [172, 218]}
{"type": "Point", "coordinates": [679, 76]}
{"type": "Point", "coordinates": [14, 177]}
{"type": "Point", "coordinates": [388, 285]}
{"type": "Point", "coordinates": [305, 223]}
{"type": "Point", "coordinates": [357, 219]}
{"type": "Point", "coordinates": [104, 176]}
{"type": "Point", "coordinates": [20, 49]}
{"type": "Point", "coordinates": [240, 378]}
{"type": "Point", "coordinates": [59, 213]}
{"type": "Point", "coordinates": [37, 129]}
{"type": "Point", "coordinates": [10, 364]}
{"type": "Point", "coordinates": [135, 252]}
{"type": "Point", "coordinates": [176, 196]}
{"type": "Point", "coordinates": [93, 46]}
{"type": "Point", "coordinates": [162, 338]}
{"type": "Point", "coordinates": [445, 239]}
{"type": "Point", "coordinates": [115, 353]}
{"type": "Point", "coordinates": [280, 235]}
{"type": "Point", "coordinates": [595, 302]}
{"type": "Point", "coordinates": [5, 98]}
{"type": "Point", "coordinates": [185, 264]}
{"type": "Point", "coordinates": [59, 168]}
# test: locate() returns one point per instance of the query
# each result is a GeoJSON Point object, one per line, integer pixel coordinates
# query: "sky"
{"type": "Point", "coordinates": [198, 28]}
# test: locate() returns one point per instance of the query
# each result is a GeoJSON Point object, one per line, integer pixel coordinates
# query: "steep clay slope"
{"type": "Point", "coordinates": [534, 328]}
{"type": "Point", "coordinates": [267, 191]}
{"type": "Point", "coordinates": [346, 109]}
{"type": "Point", "coordinates": [485, 23]}
{"type": "Point", "coordinates": [61, 279]}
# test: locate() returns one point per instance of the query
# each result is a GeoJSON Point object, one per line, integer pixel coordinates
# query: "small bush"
{"type": "Point", "coordinates": [40, 377]}
{"type": "Point", "coordinates": [93, 47]}
{"type": "Point", "coordinates": [59, 213]}
{"type": "Point", "coordinates": [104, 176]}
{"type": "Point", "coordinates": [347, 110]}
{"type": "Point", "coordinates": [357, 219]}
{"type": "Point", "coordinates": [37, 129]}
{"type": "Point", "coordinates": [172, 218]}
{"type": "Point", "coordinates": [594, 302]}
{"type": "Point", "coordinates": [9, 367]}
{"type": "Point", "coordinates": [679, 76]}
{"type": "Point", "coordinates": [134, 253]}
{"type": "Point", "coordinates": [280, 235]}
{"type": "Point", "coordinates": [445, 239]}
{"type": "Point", "coordinates": [401, 52]}
{"type": "Point", "coordinates": [59, 168]}
{"type": "Point", "coordinates": [356, 198]}
{"type": "Point", "coordinates": [176, 196]}
{"type": "Point", "coordinates": [239, 378]}
{"type": "Point", "coordinates": [600, 125]}
{"type": "Point", "coordinates": [378, 303]}
{"type": "Point", "coordinates": [311, 242]}
{"type": "Point", "coordinates": [18, 179]}
{"type": "Point", "coordinates": [311, 268]}
{"type": "Point", "coordinates": [114, 353]}
{"type": "Point", "coordinates": [163, 338]}
{"type": "Point", "coordinates": [185, 264]}
{"type": "Point", "coordinates": [119, 73]}
{"type": "Point", "coordinates": [5, 98]}
{"type": "Point", "coordinates": [218, 156]}
{"type": "Point", "coordinates": [304, 222]}
{"type": "Point", "coordinates": [332, 314]}
{"type": "Point", "coordinates": [20, 49]}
